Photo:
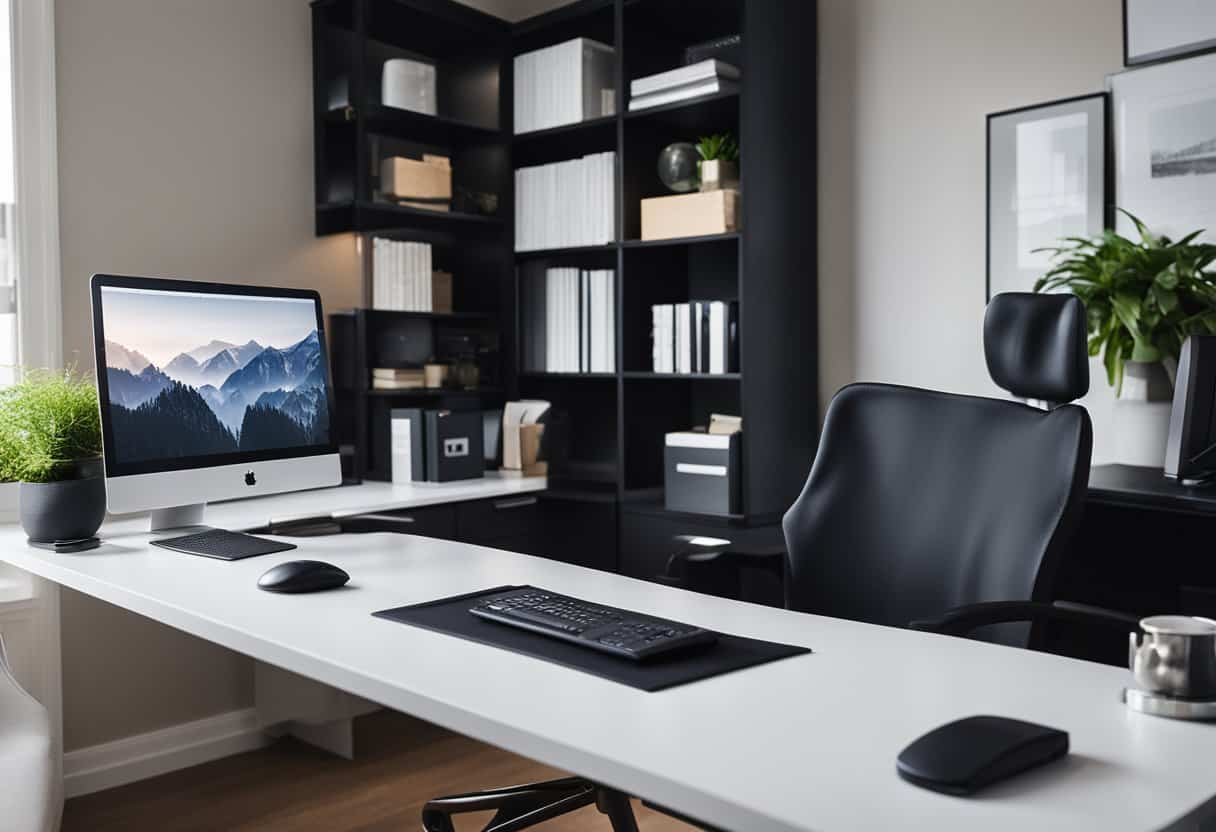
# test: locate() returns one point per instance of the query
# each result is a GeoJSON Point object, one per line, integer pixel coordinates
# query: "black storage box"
{"type": "Point", "coordinates": [454, 446]}
{"type": "Point", "coordinates": [702, 472]}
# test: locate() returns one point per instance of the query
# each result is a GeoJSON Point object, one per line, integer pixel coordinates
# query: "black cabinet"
{"type": "Point", "coordinates": [429, 521]}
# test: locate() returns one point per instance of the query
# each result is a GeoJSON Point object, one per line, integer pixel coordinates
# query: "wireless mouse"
{"type": "Point", "coordinates": [302, 576]}
{"type": "Point", "coordinates": [964, 756]}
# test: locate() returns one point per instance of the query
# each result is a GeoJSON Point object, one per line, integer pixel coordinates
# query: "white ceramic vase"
{"type": "Point", "coordinates": [1142, 414]}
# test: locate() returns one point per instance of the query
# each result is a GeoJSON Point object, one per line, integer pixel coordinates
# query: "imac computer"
{"type": "Point", "coordinates": [1190, 451]}
{"type": "Point", "coordinates": [209, 392]}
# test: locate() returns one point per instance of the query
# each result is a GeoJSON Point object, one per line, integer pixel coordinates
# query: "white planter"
{"type": "Point", "coordinates": [1142, 415]}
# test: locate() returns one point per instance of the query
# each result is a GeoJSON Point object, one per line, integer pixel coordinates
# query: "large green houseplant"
{"type": "Point", "coordinates": [1142, 299]}
{"type": "Point", "coordinates": [50, 442]}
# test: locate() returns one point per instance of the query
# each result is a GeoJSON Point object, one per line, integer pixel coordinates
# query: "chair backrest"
{"type": "Point", "coordinates": [920, 501]}
{"type": "Point", "coordinates": [26, 765]}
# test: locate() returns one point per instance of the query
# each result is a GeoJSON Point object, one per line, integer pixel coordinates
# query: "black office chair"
{"type": "Point", "coordinates": [938, 511]}
{"type": "Point", "coordinates": [931, 510]}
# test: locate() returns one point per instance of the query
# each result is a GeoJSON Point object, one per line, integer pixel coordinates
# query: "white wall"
{"type": "Point", "coordinates": [905, 87]}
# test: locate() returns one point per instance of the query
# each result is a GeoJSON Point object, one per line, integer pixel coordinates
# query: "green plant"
{"type": "Point", "coordinates": [1142, 299]}
{"type": "Point", "coordinates": [718, 146]}
{"type": "Point", "coordinates": [48, 423]}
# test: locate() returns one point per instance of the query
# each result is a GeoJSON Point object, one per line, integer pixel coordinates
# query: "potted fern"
{"type": "Point", "coordinates": [719, 163]}
{"type": "Point", "coordinates": [50, 443]}
{"type": "Point", "coordinates": [1142, 299]}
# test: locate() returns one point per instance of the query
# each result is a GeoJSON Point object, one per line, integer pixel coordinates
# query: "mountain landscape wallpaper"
{"type": "Point", "coordinates": [178, 390]}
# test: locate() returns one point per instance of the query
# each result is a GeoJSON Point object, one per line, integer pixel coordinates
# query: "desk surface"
{"type": "Point", "coordinates": [1137, 487]}
{"type": "Point", "coordinates": [804, 743]}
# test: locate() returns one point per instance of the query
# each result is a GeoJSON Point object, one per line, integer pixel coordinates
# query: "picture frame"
{"type": "Point", "coordinates": [1164, 126]}
{"type": "Point", "coordinates": [1048, 177]}
{"type": "Point", "coordinates": [1167, 30]}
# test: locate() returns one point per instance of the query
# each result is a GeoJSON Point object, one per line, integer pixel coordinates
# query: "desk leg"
{"type": "Point", "coordinates": [308, 710]}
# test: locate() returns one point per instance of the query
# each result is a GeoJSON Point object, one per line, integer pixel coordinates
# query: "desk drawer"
{"type": "Point", "coordinates": [429, 521]}
{"type": "Point", "coordinates": [487, 521]}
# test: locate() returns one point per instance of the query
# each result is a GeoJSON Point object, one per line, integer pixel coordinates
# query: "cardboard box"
{"type": "Point", "coordinates": [690, 215]}
{"type": "Point", "coordinates": [411, 179]}
{"type": "Point", "coordinates": [441, 292]}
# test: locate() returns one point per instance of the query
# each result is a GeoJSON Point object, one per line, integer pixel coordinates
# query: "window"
{"type": "Point", "coordinates": [10, 354]}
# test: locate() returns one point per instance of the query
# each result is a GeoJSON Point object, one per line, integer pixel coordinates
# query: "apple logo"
{"type": "Point", "coordinates": [250, 479]}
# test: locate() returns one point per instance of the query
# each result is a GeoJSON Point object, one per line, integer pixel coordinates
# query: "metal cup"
{"type": "Point", "coordinates": [1175, 657]}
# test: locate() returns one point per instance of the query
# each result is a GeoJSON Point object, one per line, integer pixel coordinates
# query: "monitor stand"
{"type": "Point", "coordinates": [177, 517]}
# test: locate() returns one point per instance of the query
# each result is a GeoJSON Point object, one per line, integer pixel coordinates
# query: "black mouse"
{"type": "Point", "coordinates": [302, 576]}
{"type": "Point", "coordinates": [962, 757]}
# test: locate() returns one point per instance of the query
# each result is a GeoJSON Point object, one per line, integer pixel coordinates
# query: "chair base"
{"type": "Point", "coordinates": [522, 807]}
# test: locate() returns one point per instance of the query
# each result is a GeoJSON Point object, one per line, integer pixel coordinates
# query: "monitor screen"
{"type": "Point", "coordinates": [206, 374]}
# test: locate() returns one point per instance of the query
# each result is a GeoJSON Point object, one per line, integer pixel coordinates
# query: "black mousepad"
{"type": "Point", "coordinates": [451, 616]}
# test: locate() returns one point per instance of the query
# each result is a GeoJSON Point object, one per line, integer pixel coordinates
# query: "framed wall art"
{"type": "Point", "coordinates": [1165, 146]}
{"type": "Point", "coordinates": [1048, 177]}
{"type": "Point", "coordinates": [1164, 30]}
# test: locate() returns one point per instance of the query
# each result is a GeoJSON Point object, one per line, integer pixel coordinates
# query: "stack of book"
{"type": "Point", "coordinates": [706, 77]}
{"type": "Point", "coordinates": [403, 279]}
{"type": "Point", "coordinates": [564, 84]}
{"type": "Point", "coordinates": [391, 378]}
{"type": "Point", "coordinates": [696, 337]}
{"type": "Point", "coordinates": [566, 204]}
{"type": "Point", "coordinates": [569, 315]}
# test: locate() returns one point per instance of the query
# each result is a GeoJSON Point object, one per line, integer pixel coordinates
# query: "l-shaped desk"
{"type": "Point", "coordinates": [800, 744]}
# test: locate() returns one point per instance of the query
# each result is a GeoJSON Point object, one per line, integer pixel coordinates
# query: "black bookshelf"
{"type": "Point", "coordinates": [616, 421]}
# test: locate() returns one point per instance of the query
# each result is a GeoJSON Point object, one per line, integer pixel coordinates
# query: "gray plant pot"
{"type": "Point", "coordinates": [66, 510]}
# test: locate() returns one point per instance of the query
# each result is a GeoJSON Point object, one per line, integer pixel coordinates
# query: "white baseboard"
{"type": "Point", "coordinates": [98, 767]}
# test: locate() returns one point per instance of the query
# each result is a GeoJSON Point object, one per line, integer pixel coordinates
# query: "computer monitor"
{"type": "Point", "coordinates": [209, 392]}
{"type": "Point", "coordinates": [1190, 451]}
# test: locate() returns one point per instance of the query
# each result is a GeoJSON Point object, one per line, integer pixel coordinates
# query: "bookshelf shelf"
{"type": "Point", "coordinates": [401, 315]}
{"type": "Point", "coordinates": [683, 241]}
{"type": "Point", "coordinates": [432, 392]}
{"type": "Point", "coordinates": [408, 124]}
{"type": "Point", "coordinates": [336, 217]}
{"type": "Point", "coordinates": [540, 254]}
{"type": "Point", "coordinates": [700, 113]}
{"type": "Point", "coordinates": [569, 376]}
{"type": "Point", "coordinates": [589, 125]}
{"type": "Point", "coordinates": [642, 374]}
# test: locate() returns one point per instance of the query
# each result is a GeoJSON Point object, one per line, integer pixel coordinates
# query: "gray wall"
{"type": "Point", "coordinates": [185, 149]}
{"type": "Point", "coordinates": [904, 90]}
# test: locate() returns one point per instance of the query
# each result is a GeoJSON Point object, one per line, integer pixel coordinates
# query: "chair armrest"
{"type": "Point", "coordinates": [758, 557]}
{"type": "Point", "coordinates": [962, 620]}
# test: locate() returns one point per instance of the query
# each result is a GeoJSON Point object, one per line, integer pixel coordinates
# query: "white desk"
{"type": "Point", "coordinates": [805, 743]}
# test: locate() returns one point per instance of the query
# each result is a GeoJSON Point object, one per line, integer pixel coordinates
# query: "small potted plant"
{"type": "Point", "coordinates": [1142, 299]}
{"type": "Point", "coordinates": [50, 443]}
{"type": "Point", "coordinates": [719, 163]}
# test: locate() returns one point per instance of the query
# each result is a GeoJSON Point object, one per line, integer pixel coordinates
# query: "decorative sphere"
{"type": "Point", "coordinates": [678, 167]}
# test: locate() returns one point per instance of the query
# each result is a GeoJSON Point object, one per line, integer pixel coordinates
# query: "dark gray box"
{"type": "Point", "coordinates": [701, 472]}
{"type": "Point", "coordinates": [454, 445]}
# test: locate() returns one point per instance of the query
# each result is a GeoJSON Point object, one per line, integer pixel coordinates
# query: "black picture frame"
{"type": "Point", "coordinates": [1188, 50]}
{"type": "Point", "coordinates": [1106, 168]}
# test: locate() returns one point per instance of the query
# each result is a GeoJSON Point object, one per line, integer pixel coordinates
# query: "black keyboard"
{"type": "Point", "coordinates": [222, 544]}
{"type": "Point", "coordinates": [616, 631]}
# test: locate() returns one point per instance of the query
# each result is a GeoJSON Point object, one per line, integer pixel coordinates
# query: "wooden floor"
{"type": "Point", "coordinates": [400, 764]}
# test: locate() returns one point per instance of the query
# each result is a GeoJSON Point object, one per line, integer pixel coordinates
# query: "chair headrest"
{"type": "Point", "coordinates": [1035, 345]}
